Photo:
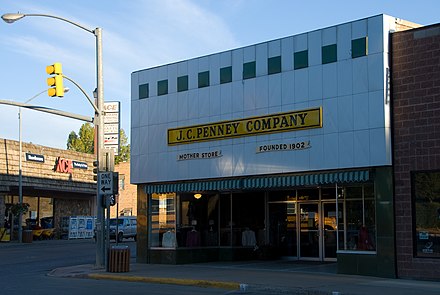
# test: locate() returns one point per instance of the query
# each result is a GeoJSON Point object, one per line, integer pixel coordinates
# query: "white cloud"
{"type": "Point", "coordinates": [136, 35]}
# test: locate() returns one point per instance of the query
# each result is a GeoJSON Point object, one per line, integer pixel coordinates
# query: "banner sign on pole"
{"type": "Point", "coordinates": [112, 125]}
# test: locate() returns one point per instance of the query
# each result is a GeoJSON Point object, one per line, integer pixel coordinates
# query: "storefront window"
{"type": "Point", "coordinates": [208, 220]}
{"type": "Point", "coordinates": [163, 220]}
{"type": "Point", "coordinates": [247, 219]}
{"type": "Point", "coordinates": [282, 222]}
{"type": "Point", "coordinates": [426, 196]}
{"type": "Point", "coordinates": [225, 220]}
{"type": "Point", "coordinates": [198, 220]}
{"type": "Point", "coordinates": [359, 223]}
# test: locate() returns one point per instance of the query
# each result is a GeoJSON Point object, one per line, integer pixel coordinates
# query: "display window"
{"type": "Point", "coordinates": [426, 198]}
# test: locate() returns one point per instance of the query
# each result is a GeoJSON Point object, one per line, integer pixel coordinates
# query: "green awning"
{"type": "Point", "coordinates": [262, 182]}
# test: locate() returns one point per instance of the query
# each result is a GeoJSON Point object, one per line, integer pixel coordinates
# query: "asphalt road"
{"type": "Point", "coordinates": [24, 269]}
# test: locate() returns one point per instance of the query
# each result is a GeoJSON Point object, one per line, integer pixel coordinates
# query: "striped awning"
{"type": "Point", "coordinates": [262, 182]}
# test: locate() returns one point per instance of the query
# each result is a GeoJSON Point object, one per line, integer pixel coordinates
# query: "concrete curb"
{"type": "Point", "coordinates": [233, 286]}
{"type": "Point", "coordinates": [173, 281]}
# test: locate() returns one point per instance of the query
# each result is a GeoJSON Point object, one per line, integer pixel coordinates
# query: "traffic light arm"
{"type": "Point", "coordinates": [82, 90]}
{"type": "Point", "coordinates": [47, 110]}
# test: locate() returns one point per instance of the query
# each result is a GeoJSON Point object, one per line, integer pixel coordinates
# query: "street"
{"type": "Point", "coordinates": [24, 269]}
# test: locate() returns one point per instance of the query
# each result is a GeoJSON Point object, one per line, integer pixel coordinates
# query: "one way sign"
{"type": "Point", "coordinates": [105, 182]}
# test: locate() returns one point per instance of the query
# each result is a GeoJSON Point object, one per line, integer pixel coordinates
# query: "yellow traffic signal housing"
{"type": "Point", "coordinates": [57, 88]}
{"type": "Point", "coordinates": [56, 68]}
{"type": "Point", "coordinates": [56, 82]}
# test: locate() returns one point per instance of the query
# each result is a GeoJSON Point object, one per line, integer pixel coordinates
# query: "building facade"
{"type": "Point", "coordinates": [279, 149]}
{"type": "Point", "coordinates": [127, 199]}
{"type": "Point", "coordinates": [416, 117]}
{"type": "Point", "coordinates": [55, 183]}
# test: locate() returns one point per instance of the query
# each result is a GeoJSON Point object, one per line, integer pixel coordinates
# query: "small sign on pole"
{"type": "Point", "coordinates": [105, 183]}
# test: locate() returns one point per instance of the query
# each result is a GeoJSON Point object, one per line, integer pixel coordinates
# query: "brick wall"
{"type": "Point", "coordinates": [72, 193]}
{"type": "Point", "coordinates": [128, 195]}
{"type": "Point", "coordinates": [42, 175]}
{"type": "Point", "coordinates": [416, 119]}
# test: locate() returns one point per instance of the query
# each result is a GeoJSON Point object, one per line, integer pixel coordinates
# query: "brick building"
{"type": "Point", "coordinates": [56, 183]}
{"type": "Point", "coordinates": [285, 144]}
{"type": "Point", "coordinates": [127, 200]}
{"type": "Point", "coordinates": [416, 116]}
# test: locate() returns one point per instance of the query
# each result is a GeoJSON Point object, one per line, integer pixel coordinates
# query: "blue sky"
{"type": "Point", "coordinates": [141, 34]}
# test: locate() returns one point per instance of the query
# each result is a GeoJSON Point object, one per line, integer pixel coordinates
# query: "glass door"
{"type": "Point", "coordinates": [330, 226]}
{"type": "Point", "coordinates": [282, 228]}
{"type": "Point", "coordinates": [309, 234]}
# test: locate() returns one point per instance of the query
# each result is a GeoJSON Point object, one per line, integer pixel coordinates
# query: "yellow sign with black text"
{"type": "Point", "coordinates": [280, 122]}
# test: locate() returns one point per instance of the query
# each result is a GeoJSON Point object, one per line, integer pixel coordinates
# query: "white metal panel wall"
{"type": "Point", "coordinates": [355, 130]}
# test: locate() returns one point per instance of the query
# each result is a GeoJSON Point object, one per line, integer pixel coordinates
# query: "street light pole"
{"type": "Point", "coordinates": [20, 169]}
{"type": "Point", "coordinates": [99, 122]}
{"type": "Point", "coordinates": [20, 165]}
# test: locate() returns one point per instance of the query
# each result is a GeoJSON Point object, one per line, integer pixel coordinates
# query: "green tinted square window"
{"type": "Point", "coordinates": [249, 70]}
{"type": "Point", "coordinates": [204, 79]}
{"type": "Point", "coordinates": [225, 75]}
{"type": "Point", "coordinates": [182, 83]}
{"type": "Point", "coordinates": [329, 54]}
{"type": "Point", "coordinates": [359, 47]}
{"type": "Point", "coordinates": [162, 87]}
{"type": "Point", "coordinates": [274, 65]}
{"type": "Point", "coordinates": [143, 91]}
{"type": "Point", "coordinates": [301, 59]}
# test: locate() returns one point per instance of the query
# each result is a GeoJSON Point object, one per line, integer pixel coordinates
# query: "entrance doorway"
{"type": "Point", "coordinates": [305, 230]}
{"type": "Point", "coordinates": [318, 231]}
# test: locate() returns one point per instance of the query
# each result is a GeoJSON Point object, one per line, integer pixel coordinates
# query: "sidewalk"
{"type": "Point", "coordinates": [258, 277]}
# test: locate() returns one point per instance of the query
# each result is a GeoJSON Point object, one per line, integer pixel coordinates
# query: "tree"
{"type": "Point", "coordinates": [84, 142]}
{"type": "Point", "coordinates": [124, 148]}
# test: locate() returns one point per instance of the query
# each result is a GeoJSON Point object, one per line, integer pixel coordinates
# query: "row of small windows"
{"type": "Point", "coordinates": [359, 47]}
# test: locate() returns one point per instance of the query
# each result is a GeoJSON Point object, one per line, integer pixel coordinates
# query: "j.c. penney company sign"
{"type": "Point", "coordinates": [280, 122]}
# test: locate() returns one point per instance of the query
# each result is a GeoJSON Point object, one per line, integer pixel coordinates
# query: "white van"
{"type": "Point", "coordinates": [126, 228]}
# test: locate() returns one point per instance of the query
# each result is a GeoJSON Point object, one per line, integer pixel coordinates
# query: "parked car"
{"type": "Point", "coordinates": [123, 227]}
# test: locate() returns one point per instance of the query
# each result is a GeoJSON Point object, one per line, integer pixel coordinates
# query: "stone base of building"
{"type": "Point", "coordinates": [198, 255]}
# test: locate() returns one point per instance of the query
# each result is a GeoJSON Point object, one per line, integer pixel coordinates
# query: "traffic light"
{"type": "Point", "coordinates": [115, 183]}
{"type": "Point", "coordinates": [112, 200]}
{"type": "Point", "coordinates": [95, 170]}
{"type": "Point", "coordinates": [55, 82]}
{"type": "Point", "coordinates": [114, 196]}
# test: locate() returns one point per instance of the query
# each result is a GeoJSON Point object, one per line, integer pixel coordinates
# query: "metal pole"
{"type": "Point", "coordinates": [20, 168]}
{"type": "Point", "coordinates": [99, 124]}
{"type": "Point", "coordinates": [20, 180]}
{"type": "Point", "coordinates": [101, 250]}
{"type": "Point", "coordinates": [48, 110]}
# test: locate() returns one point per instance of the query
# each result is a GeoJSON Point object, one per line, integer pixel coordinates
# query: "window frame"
{"type": "Point", "coordinates": [415, 235]}
{"type": "Point", "coordinates": [182, 83]}
{"type": "Point", "coordinates": [301, 59]}
{"type": "Point", "coordinates": [226, 75]}
{"type": "Point", "coordinates": [141, 90]}
{"type": "Point", "coordinates": [359, 47]}
{"type": "Point", "coordinates": [162, 87]}
{"type": "Point", "coordinates": [203, 79]}
{"type": "Point", "coordinates": [329, 54]}
{"type": "Point", "coordinates": [274, 65]}
{"type": "Point", "coordinates": [249, 70]}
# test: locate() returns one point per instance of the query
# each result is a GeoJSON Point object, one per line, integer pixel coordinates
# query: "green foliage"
{"type": "Point", "coordinates": [124, 149]}
{"type": "Point", "coordinates": [18, 208]}
{"type": "Point", "coordinates": [84, 142]}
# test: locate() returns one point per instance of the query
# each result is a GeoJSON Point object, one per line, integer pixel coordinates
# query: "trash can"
{"type": "Point", "coordinates": [26, 236]}
{"type": "Point", "coordinates": [119, 259]}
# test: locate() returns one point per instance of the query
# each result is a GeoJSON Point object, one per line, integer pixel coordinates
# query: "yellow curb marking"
{"type": "Point", "coordinates": [174, 281]}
